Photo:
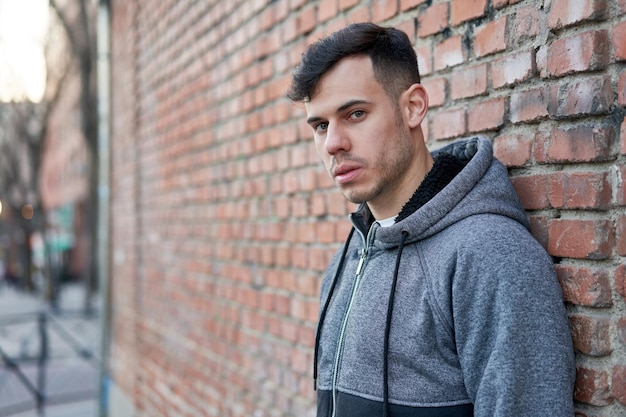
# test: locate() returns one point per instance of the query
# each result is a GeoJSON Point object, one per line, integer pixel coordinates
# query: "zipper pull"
{"type": "Point", "coordinates": [361, 262]}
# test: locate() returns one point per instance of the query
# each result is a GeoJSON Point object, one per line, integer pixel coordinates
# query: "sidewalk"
{"type": "Point", "coordinates": [69, 376]}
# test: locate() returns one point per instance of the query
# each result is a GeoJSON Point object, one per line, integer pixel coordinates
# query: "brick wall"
{"type": "Point", "coordinates": [223, 218]}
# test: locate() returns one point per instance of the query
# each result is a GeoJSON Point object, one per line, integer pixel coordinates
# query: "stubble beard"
{"type": "Point", "coordinates": [392, 163]}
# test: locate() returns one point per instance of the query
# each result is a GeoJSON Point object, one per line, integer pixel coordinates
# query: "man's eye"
{"type": "Point", "coordinates": [320, 127]}
{"type": "Point", "coordinates": [357, 114]}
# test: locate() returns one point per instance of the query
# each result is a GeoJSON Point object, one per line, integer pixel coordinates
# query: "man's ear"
{"type": "Point", "coordinates": [414, 103]}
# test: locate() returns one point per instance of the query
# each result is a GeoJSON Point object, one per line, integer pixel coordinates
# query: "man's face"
{"type": "Point", "coordinates": [361, 135]}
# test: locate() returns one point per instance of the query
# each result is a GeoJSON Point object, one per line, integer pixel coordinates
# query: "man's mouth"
{"type": "Point", "coordinates": [346, 173]}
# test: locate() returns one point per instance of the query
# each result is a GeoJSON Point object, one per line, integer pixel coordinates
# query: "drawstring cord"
{"type": "Point", "coordinates": [320, 323]}
{"type": "Point", "coordinates": [392, 294]}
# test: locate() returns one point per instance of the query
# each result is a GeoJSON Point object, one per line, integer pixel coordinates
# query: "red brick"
{"type": "Point", "coordinates": [346, 4]}
{"type": "Point", "coordinates": [463, 10]}
{"type": "Point", "coordinates": [424, 60]}
{"type": "Point", "coordinates": [448, 124]}
{"type": "Point", "coordinates": [569, 12]}
{"type": "Point", "coordinates": [622, 136]}
{"type": "Point", "coordinates": [326, 10]}
{"type": "Point", "coordinates": [498, 4]}
{"type": "Point", "coordinates": [409, 4]}
{"type": "Point", "coordinates": [530, 105]}
{"type": "Point", "coordinates": [620, 192]}
{"type": "Point", "coordinates": [532, 190]}
{"type": "Point", "coordinates": [541, 59]}
{"type": "Point", "coordinates": [487, 115]}
{"type": "Point", "coordinates": [586, 96]}
{"type": "Point", "coordinates": [512, 69]}
{"type": "Point", "coordinates": [592, 387]}
{"type": "Point", "coordinates": [587, 51]}
{"type": "Point", "coordinates": [619, 41]}
{"type": "Point", "coordinates": [581, 190]}
{"type": "Point", "coordinates": [384, 9]}
{"type": "Point", "coordinates": [436, 89]}
{"type": "Point", "coordinates": [527, 23]}
{"type": "Point", "coordinates": [620, 235]}
{"type": "Point", "coordinates": [620, 281]}
{"type": "Point", "coordinates": [513, 150]}
{"type": "Point", "coordinates": [468, 82]}
{"type": "Point", "coordinates": [580, 239]}
{"type": "Point", "coordinates": [358, 14]}
{"type": "Point", "coordinates": [491, 37]}
{"type": "Point", "coordinates": [449, 53]}
{"type": "Point", "coordinates": [621, 330]}
{"type": "Point", "coordinates": [306, 20]}
{"type": "Point", "coordinates": [619, 383]}
{"type": "Point", "coordinates": [621, 89]}
{"type": "Point", "coordinates": [577, 144]}
{"type": "Point", "coordinates": [585, 286]}
{"type": "Point", "coordinates": [433, 20]}
{"type": "Point", "coordinates": [591, 335]}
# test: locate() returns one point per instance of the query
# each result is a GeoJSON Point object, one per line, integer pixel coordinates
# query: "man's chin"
{"type": "Point", "coordinates": [354, 196]}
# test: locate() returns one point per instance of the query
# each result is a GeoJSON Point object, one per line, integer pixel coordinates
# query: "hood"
{"type": "Point", "coordinates": [481, 187]}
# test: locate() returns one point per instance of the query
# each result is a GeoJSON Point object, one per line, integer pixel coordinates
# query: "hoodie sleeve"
{"type": "Point", "coordinates": [510, 323]}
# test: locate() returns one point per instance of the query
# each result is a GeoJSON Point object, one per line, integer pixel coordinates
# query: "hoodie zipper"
{"type": "Point", "coordinates": [359, 270]}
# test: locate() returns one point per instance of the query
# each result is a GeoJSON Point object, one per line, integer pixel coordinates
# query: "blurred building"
{"type": "Point", "coordinates": [64, 182]}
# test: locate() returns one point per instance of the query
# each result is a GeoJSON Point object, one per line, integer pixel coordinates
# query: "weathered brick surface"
{"type": "Point", "coordinates": [585, 286]}
{"type": "Point", "coordinates": [622, 136]}
{"type": "Point", "coordinates": [569, 12]}
{"type": "Point", "coordinates": [433, 20]}
{"type": "Point", "coordinates": [449, 53]}
{"type": "Point", "coordinates": [491, 37]}
{"type": "Point", "coordinates": [223, 219]}
{"type": "Point", "coordinates": [512, 69]}
{"type": "Point", "coordinates": [587, 51]}
{"type": "Point", "coordinates": [593, 387]}
{"type": "Point", "coordinates": [468, 82]}
{"type": "Point", "coordinates": [591, 335]}
{"type": "Point", "coordinates": [620, 236]}
{"type": "Point", "coordinates": [529, 105]}
{"type": "Point", "coordinates": [581, 239]}
{"type": "Point", "coordinates": [619, 41]}
{"type": "Point", "coordinates": [513, 150]}
{"type": "Point", "coordinates": [463, 10]}
{"type": "Point", "coordinates": [583, 143]}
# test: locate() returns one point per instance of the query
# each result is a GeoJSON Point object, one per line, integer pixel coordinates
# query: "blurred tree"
{"type": "Point", "coordinates": [21, 148]}
{"type": "Point", "coordinates": [70, 51]}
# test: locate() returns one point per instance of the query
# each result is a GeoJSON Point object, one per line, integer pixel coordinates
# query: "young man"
{"type": "Point", "coordinates": [442, 303]}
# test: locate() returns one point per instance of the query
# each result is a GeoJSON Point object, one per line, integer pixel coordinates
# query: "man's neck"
{"type": "Point", "coordinates": [391, 206]}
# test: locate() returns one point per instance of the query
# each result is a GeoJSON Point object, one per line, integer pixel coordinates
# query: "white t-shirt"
{"type": "Point", "coordinates": [387, 222]}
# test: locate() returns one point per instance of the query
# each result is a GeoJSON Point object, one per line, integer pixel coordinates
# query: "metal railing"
{"type": "Point", "coordinates": [43, 363]}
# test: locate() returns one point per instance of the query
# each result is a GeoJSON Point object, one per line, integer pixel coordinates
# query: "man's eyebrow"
{"type": "Point", "coordinates": [351, 103]}
{"type": "Point", "coordinates": [343, 107]}
{"type": "Point", "coordinates": [313, 119]}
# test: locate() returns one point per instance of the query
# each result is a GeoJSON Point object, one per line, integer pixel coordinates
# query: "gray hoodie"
{"type": "Point", "coordinates": [453, 311]}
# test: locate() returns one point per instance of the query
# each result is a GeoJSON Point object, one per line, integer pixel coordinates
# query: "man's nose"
{"type": "Point", "coordinates": [337, 139]}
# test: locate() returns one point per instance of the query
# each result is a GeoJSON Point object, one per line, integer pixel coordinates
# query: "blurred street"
{"type": "Point", "coordinates": [53, 352]}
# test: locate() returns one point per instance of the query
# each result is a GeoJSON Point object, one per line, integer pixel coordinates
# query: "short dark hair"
{"type": "Point", "coordinates": [390, 50]}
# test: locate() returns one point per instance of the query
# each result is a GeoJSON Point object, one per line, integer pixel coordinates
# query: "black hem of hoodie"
{"type": "Point", "coordinates": [356, 406]}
